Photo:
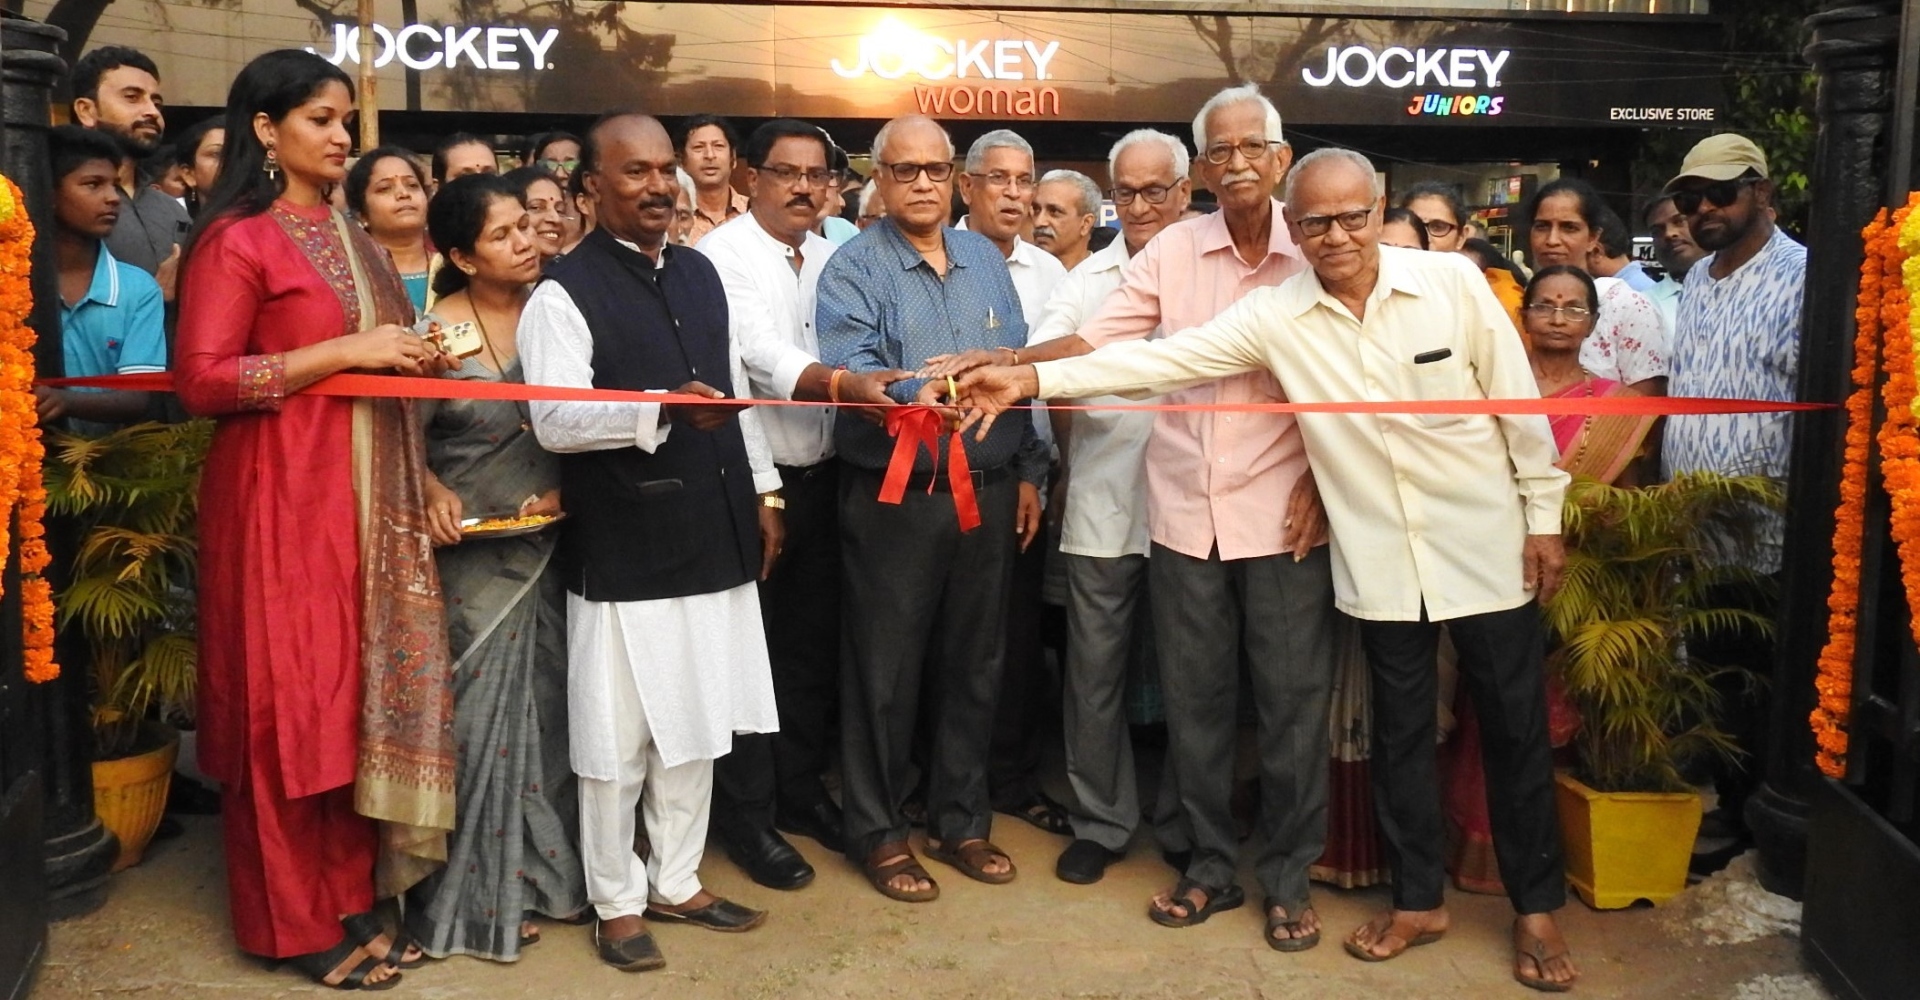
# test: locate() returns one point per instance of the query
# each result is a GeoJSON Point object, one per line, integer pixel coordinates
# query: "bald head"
{"type": "Point", "coordinates": [629, 164]}
{"type": "Point", "coordinates": [917, 129]}
{"type": "Point", "coordinates": [917, 146]}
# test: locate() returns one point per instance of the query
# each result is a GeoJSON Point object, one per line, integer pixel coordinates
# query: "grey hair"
{"type": "Point", "coordinates": [886, 132]}
{"type": "Point", "coordinates": [867, 194]}
{"type": "Point", "coordinates": [1000, 138]}
{"type": "Point", "coordinates": [1089, 191]}
{"type": "Point", "coordinates": [685, 180]}
{"type": "Point", "coordinates": [1175, 148]}
{"type": "Point", "coordinates": [1327, 155]}
{"type": "Point", "coordinates": [1246, 93]}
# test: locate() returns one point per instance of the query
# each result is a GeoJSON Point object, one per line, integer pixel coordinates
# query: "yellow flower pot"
{"type": "Point", "coordinates": [1623, 847]}
{"type": "Point", "coordinates": [130, 794]}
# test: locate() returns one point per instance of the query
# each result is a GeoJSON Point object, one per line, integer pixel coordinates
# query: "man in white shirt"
{"type": "Point", "coordinates": [1103, 535]}
{"type": "Point", "coordinates": [1441, 517]}
{"type": "Point", "coordinates": [1066, 205]}
{"type": "Point", "coordinates": [998, 188]}
{"type": "Point", "coordinates": [666, 658]}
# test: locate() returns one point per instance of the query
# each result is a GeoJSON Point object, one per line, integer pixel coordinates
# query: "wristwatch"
{"type": "Point", "coordinates": [774, 500]}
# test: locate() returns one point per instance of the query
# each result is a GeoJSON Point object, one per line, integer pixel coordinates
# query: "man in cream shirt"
{"type": "Point", "coordinates": [1434, 518]}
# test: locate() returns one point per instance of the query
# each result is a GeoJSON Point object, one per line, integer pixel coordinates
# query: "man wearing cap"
{"type": "Point", "coordinates": [1736, 336]}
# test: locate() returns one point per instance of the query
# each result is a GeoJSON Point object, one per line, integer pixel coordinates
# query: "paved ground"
{"type": "Point", "coordinates": [163, 934]}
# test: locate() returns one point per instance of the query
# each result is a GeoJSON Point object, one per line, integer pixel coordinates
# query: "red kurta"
{"type": "Point", "coordinates": [280, 674]}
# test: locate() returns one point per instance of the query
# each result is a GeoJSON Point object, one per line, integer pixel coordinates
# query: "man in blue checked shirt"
{"type": "Point", "coordinates": [925, 602]}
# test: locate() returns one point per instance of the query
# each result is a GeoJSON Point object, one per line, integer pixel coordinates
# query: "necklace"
{"type": "Point", "coordinates": [526, 419]}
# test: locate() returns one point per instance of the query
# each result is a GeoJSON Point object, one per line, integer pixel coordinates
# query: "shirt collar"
{"type": "Point", "coordinates": [736, 205]}
{"type": "Point", "coordinates": [105, 287]}
{"type": "Point", "coordinates": [1022, 255]}
{"type": "Point", "coordinates": [1775, 243]}
{"type": "Point", "coordinates": [1111, 257]}
{"type": "Point", "coordinates": [1303, 291]}
{"type": "Point", "coordinates": [909, 257]}
{"type": "Point", "coordinates": [1213, 235]}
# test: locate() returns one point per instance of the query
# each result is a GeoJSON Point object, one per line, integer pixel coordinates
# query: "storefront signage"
{"type": "Point", "coordinates": [1399, 67]}
{"type": "Point", "coordinates": [893, 50]}
{"type": "Point", "coordinates": [426, 46]}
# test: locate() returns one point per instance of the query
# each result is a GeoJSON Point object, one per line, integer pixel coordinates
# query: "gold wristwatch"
{"type": "Point", "coordinates": [774, 500]}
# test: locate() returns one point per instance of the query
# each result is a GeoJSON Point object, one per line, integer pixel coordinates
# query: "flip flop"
{"type": "Point", "coordinates": [971, 857]}
{"type": "Point", "coordinates": [1289, 943]}
{"type": "Point", "coordinates": [1220, 900]}
{"type": "Point", "coordinates": [319, 965]}
{"type": "Point", "coordinates": [1365, 954]}
{"type": "Point", "coordinates": [1535, 950]}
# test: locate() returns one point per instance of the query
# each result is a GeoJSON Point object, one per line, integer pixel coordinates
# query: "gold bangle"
{"type": "Point", "coordinates": [1009, 350]}
{"type": "Point", "coordinates": [833, 384]}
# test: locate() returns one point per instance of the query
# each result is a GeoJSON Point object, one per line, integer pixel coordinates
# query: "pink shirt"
{"type": "Point", "coordinates": [1211, 477]}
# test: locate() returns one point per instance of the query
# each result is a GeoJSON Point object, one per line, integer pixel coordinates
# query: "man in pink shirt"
{"type": "Point", "coordinates": [1239, 566]}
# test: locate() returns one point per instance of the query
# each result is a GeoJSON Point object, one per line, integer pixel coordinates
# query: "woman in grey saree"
{"type": "Point", "coordinates": [513, 852]}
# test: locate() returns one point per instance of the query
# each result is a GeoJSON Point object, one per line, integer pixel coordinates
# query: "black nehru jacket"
{"type": "Point", "coordinates": [683, 520]}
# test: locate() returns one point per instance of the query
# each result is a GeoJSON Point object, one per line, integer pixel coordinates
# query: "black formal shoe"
{"type": "Point", "coordinates": [1084, 862]}
{"type": "Point", "coordinates": [1177, 860]}
{"type": "Point", "coordinates": [768, 859]}
{"type": "Point", "coordinates": [821, 821]}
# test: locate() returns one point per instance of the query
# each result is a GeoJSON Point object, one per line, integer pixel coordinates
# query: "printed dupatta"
{"type": "Point", "coordinates": [407, 758]}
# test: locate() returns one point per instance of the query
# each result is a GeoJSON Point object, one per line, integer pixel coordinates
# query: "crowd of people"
{"type": "Point", "coordinates": [731, 621]}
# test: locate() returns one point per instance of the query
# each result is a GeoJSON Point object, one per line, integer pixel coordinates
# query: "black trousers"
{"type": "Point", "coordinates": [1030, 694]}
{"type": "Point", "coordinates": [1502, 663]}
{"type": "Point", "coordinates": [1748, 653]}
{"type": "Point", "coordinates": [800, 609]}
{"type": "Point", "coordinates": [925, 604]}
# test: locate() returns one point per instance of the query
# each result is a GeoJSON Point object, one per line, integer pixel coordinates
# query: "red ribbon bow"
{"type": "Point", "coordinates": [911, 427]}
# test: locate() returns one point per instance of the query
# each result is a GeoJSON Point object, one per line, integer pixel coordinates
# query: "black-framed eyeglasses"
{"type": "Point", "coordinates": [1721, 193]}
{"type": "Point", "coordinates": [1156, 194]}
{"type": "Point", "coordinates": [1251, 149]}
{"type": "Point", "coordinates": [1439, 228]}
{"type": "Point", "coordinates": [786, 175]}
{"type": "Point", "coordinates": [1543, 311]}
{"type": "Point", "coordinates": [904, 173]}
{"type": "Point", "coordinates": [1002, 179]}
{"type": "Point", "coordinates": [1317, 225]}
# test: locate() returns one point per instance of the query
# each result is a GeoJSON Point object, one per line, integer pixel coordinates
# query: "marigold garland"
{"type": "Point", "coordinates": [1900, 435]}
{"type": "Point", "coordinates": [21, 451]}
{"type": "Point", "coordinates": [1833, 680]}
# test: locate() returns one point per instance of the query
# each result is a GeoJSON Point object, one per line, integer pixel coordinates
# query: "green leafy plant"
{"type": "Point", "coordinates": [1641, 580]}
{"type": "Point", "coordinates": [134, 494]}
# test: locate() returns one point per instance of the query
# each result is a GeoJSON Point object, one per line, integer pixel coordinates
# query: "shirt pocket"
{"type": "Point", "coordinates": [1444, 379]}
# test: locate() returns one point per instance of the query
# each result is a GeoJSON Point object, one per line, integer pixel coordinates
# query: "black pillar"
{"type": "Point", "coordinates": [79, 851]}
{"type": "Point", "coordinates": [1852, 49]}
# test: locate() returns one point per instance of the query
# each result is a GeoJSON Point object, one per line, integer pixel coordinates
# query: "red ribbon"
{"type": "Point", "coordinates": [911, 427]}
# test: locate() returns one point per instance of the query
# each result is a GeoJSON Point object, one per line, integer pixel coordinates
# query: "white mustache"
{"type": "Point", "coordinates": [1039, 231]}
{"type": "Point", "coordinates": [1244, 175]}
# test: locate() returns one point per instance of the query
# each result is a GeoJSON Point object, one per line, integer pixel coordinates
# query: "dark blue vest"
{"type": "Point", "coordinates": [683, 520]}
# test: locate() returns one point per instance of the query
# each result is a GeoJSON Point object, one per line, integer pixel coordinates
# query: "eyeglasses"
{"type": "Point", "coordinates": [786, 175]}
{"type": "Point", "coordinates": [567, 165]}
{"type": "Point", "coordinates": [1252, 149]}
{"type": "Point", "coordinates": [1156, 194]}
{"type": "Point", "coordinates": [1002, 179]}
{"type": "Point", "coordinates": [1542, 311]}
{"type": "Point", "coordinates": [904, 173]}
{"type": "Point", "coordinates": [1439, 228]}
{"type": "Point", "coordinates": [1721, 193]}
{"type": "Point", "coordinates": [1317, 225]}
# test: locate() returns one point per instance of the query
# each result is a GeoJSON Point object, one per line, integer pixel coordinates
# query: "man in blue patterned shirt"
{"type": "Point", "coordinates": [925, 602]}
{"type": "Point", "coordinates": [1737, 335]}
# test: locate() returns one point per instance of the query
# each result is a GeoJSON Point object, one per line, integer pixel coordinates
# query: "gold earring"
{"type": "Point", "coordinates": [272, 165]}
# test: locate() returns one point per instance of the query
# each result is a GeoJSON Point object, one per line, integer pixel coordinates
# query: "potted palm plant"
{"type": "Point", "coordinates": [1642, 579]}
{"type": "Point", "coordinates": [131, 497]}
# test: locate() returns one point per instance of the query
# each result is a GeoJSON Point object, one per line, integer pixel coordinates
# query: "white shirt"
{"type": "Point", "coordinates": [770, 316]}
{"type": "Point", "coordinates": [695, 696]}
{"type": "Point", "coordinates": [1630, 341]}
{"type": "Point", "coordinates": [1036, 273]}
{"type": "Point", "coordinates": [1106, 513]}
{"type": "Point", "coordinates": [1424, 509]}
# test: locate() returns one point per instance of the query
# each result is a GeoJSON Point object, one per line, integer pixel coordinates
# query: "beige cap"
{"type": "Point", "coordinates": [1721, 157]}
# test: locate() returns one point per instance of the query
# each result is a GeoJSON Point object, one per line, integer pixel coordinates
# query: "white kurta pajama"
{"type": "Point", "coordinates": [655, 689]}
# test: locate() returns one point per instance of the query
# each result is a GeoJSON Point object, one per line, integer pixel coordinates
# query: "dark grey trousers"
{"type": "Point", "coordinates": [1107, 627]}
{"type": "Point", "coordinates": [1502, 663]}
{"type": "Point", "coordinates": [1204, 610]}
{"type": "Point", "coordinates": [924, 603]}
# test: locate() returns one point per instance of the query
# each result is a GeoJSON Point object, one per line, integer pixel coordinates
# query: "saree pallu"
{"type": "Point", "coordinates": [1354, 856]}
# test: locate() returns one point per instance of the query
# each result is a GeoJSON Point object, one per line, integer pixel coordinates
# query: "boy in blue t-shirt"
{"type": "Point", "coordinates": [111, 314]}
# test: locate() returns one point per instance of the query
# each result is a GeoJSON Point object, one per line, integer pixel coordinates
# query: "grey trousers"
{"type": "Point", "coordinates": [1108, 625]}
{"type": "Point", "coordinates": [1204, 611]}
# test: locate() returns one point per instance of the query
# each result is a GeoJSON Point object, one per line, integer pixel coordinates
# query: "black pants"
{"type": "Point", "coordinates": [924, 603]}
{"type": "Point", "coordinates": [1748, 655]}
{"type": "Point", "coordinates": [800, 608]}
{"type": "Point", "coordinates": [1030, 694]}
{"type": "Point", "coordinates": [1502, 663]}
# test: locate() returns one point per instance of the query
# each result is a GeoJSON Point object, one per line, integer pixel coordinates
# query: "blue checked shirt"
{"type": "Point", "coordinates": [1738, 337]}
{"type": "Point", "coordinates": [881, 306]}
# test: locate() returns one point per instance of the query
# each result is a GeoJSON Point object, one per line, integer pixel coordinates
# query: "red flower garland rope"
{"type": "Point", "coordinates": [21, 450]}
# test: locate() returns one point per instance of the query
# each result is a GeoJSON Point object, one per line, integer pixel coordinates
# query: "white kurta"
{"type": "Point", "coordinates": [699, 662]}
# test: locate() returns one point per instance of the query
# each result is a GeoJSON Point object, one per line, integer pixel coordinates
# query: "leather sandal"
{"type": "Point", "coordinates": [1527, 948]}
{"type": "Point", "coordinates": [1365, 953]}
{"type": "Point", "coordinates": [1218, 900]}
{"type": "Point", "coordinates": [366, 929]}
{"type": "Point", "coordinates": [319, 965]}
{"type": "Point", "coordinates": [722, 915]}
{"type": "Point", "coordinates": [891, 860]}
{"type": "Point", "coordinates": [1290, 924]}
{"type": "Point", "coordinates": [972, 857]}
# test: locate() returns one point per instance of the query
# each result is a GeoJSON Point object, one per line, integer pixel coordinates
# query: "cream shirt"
{"type": "Point", "coordinates": [1106, 514]}
{"type": "Point", "coordinates": [1424, 509]}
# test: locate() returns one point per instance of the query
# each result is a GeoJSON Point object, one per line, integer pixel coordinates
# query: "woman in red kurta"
{"type": "Point", "coordinates": [277, 294]}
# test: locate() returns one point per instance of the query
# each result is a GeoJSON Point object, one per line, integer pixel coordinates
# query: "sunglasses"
{"type": "Point", "coordinates": [1722, 194]}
